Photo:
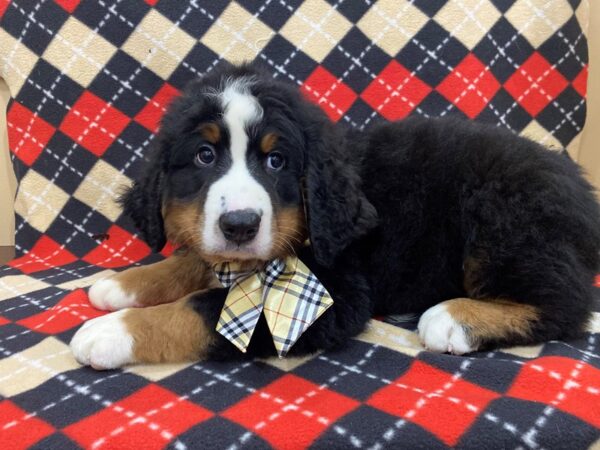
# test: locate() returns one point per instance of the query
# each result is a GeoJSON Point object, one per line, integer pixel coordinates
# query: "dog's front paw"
{"type": "Point", "coordinates": [440, 332]}
{"type": "Point", "coordinates": [103, 342]}
{"type": "Point", "coordinates": [107, 294]}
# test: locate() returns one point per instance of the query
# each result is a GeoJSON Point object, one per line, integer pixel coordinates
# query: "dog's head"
{"type": "Point", "coordinates": [239, 162]}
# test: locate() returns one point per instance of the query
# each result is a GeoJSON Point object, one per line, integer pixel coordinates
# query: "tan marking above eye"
{"type": "Point", "coordinates": [211, 132]}
{"type": "Point", "coordinates": [268, 141]}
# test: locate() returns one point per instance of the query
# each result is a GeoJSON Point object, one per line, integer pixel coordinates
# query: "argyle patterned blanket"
{"type": "Point", "coordinates": [89, 82]}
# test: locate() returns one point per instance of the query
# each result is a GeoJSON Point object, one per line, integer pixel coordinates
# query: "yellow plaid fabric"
{"type": "Point", "coordinates": [289, 295]}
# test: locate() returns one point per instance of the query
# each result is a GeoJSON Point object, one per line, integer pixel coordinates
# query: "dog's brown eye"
{"type": "Point", "coordinates": [205, 156]}
{"type": "Point", "coordinates": [275, 161]}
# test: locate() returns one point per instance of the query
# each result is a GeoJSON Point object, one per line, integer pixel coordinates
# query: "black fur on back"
{"type": "Point", "coordinates": [447, 190]}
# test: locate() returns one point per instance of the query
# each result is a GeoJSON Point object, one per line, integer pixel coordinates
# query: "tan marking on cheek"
{"type": "Point", "coordinates": [289, 231]}
{"type": "Point", "coordinates": [183, 222]}
{"type": "Point", "coordinates": [493, 319]}
{"type": "Point", "coordinates": [268, 141]}
{"type": "Point", "coordinates": [167, 280]}
{"type": "Point", "coordinates": [211, 132]}
{"type": "Point", "coordinates": [172, 332]}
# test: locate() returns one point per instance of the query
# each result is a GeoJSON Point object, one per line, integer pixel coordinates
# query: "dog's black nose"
{"type": "Point", "coordinates": [239, 226]}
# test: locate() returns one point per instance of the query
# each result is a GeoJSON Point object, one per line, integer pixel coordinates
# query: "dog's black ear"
{"type": "Point", "coordinates": [338, 211]}
{"type": "Point", "coordinates": [143, 201]}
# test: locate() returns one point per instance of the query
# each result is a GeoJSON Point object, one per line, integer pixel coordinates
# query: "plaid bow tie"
{"type": "Point", "coordinates": [286, 291]}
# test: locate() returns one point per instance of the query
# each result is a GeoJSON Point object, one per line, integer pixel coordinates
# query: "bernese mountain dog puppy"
{"type": "Point", "coordinates": [493, 237]}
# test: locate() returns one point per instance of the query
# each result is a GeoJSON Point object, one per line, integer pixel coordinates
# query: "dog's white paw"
{"type": "Point", "coordinates": [107, 294]}
{"type": "Point", "coordinates": [439, 332]}
{"type": "Point", "coordinates": [103, 342]}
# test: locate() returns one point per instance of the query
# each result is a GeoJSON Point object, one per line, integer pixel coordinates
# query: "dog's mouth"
{"type": "Point", "coordinates": [238, 252]}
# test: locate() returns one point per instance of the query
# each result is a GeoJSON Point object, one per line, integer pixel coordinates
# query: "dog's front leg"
{"type": "Point", "coordinates": [172, 332]}
{"type": "Point", "coordinates": [162, 282]}
{"type": "Point", "coordinates": [186, 330]}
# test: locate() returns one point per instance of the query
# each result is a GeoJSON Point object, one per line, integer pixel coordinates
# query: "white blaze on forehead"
{"type": "Point", "coordinates": [238, 189]}
{"type": "Point", "coordinates": [241, 109]}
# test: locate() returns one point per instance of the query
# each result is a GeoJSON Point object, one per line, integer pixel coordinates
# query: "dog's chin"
{"type": "Point", "coordinates": [232, 252]}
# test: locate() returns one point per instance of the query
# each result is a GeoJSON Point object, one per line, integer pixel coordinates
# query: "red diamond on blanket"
{"type": "Point", "coordinates": [470, 86]}
{"type": "Point", "coordinates": [68, 5]}
{"type": "Point", "coordinates": [20, 430]}
{"type": "Point", "coordinates": [168, 249]}
{"type": "Point", "coordinates": [3, 6]}
{"type": "Point", "coordinates": [323, 88]}
{"type": "Point", "coordinates": [291, 406]}
{"type": "Point", "coordinates": [71, 311]}
{"type": "Point", "coordinates": [395, 92]}
{"type": "Point", "coordinates": [535, 84]}
{"type": "Point", "coordinates": [435, 400]}
{"type": "Point", "coordinates": [28, 133]}
{"type": "Point", "coordinates": [93, 123]}
{"type": "Point", "coordinates": [111, 253]}
{"type": "Point", "coordinates": [45, 254]}
{"type": "Point", "coordinates": [580, 82]}
{"type": "Point", "coordinates": [151, 114]}
{"type": "Point", "coordinates": [570, 385]}
{"type": "Point", "coordinates": [148, 419]}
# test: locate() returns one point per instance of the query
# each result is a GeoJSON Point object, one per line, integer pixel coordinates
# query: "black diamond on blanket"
{"type": "Point", "coordinates": [89, 82]}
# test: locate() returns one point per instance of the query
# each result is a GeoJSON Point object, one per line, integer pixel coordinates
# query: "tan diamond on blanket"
{"type": "Point", "coordinates": [315, 28]}
{"type": "Point", "coordinates": [537, 20]}
{"type": "Point", "coordinates": [468, 20]}
{"type": "Point", "coordinates": [236, 35]}
{"type": "Point", "coordinates": [79, 52]}
{"type": "Point", "coordinates": [289, 362]}
{"type": "Point", "coordinates": [39, 200]}
{"type": "Point", "coordinates": [158, 44]}
{"type": "Point", "coordinates": [28, 369]}
{"type": "Point", "coordinates": [100, 188]}
{"type": "Point", "coordinates": [17, 64]}
{"type": "Point", "coordinates": [582, 13]}
{"type": "Point", "coordinates": [87, 281]}
{"type": "Point", "coordinates": [392, 337]}
{"type": "Point", "coordinates": [573, 147]}
{"type": "Point", "coordinates": [526, 351]}
{"type": "Point", "coordinates": [538, 133]}
{"type": "Point", "coordinates": [14, 285]}
{"type": "Point", "coordinates": [392, 23]}
{"type": "Point", "coordinates": [156, 372]}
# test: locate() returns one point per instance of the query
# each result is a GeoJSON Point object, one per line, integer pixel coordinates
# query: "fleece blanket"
{"type": "Point", "coordinates": [89, 81]}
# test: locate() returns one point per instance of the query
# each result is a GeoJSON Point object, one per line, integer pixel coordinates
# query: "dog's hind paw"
{"type": "Point", "coordinates": [440, 332]}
